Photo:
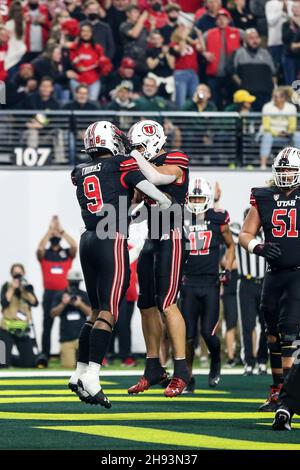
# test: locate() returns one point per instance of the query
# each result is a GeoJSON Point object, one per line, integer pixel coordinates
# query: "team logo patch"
{"type": "Point", "coordinates": [276, 197]}
{"type": "Point", "coordinates": [149, 130]}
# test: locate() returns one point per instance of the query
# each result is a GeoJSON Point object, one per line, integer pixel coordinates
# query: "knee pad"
{"type": "Point", "coordinates": [288, 343]}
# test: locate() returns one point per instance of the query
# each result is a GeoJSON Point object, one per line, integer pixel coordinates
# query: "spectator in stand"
{"type": "Point", "coordinates": [221, 43]}
{"type": "Point", "coordinates": [73, 308]}
{"type": "Point", "coordinates": [115, 16]}
{"type": "Point", "coordinates": [51, 64]}
{"type": "Point", "coordinates": [161, 64]}
{"type": "Point", "coordinates": [291, 43]}
{"type": "Point", "coordinates": [241, 15]}
{"type": "Point", "coordinates": [185, 49]}
{"type": "Point", "coordinates": [150, 100]}
{"type": "Point", "coordinates": [102, 33]}
{"type": "Point", "coordinates": [122, 98]}
{"type": "Point", "coordinates": [88, 61]}
{"type": "Point", "coordinates": [37, 25]}
{"type": "Point", "coordinates": [79, 103]}
{"type": "Point", "coordinates": [254, 69]}
{"type": "Point", "coordinates": [17, 299]}
{"type": "Point", "coordinates": [279, 125]}
{"type": "Point", "coordinates": [134, 37]}
{"type": "Point", "coordinates": [126, 72]}
{"type": "Point", "coordinates": [81, 100]}
{"type": "Point", "coordinates": [74, 8]}
{"type": "Point", "coordinates": [56, 262]}
{"type": "Point", "coordinates": [16, 44]}
{"type": "Point", "coordinates": [172, 10]}
{"type": "Point", "coordinates": [157, 15]}
{"type": "Point", "coordinates": [209, 19]}
{"type": "Point", "coordinates": [4, 36]}
{"type": "Point", "coordinates": [25, 80]}
{"type": "Point", "coordinates": [242, 102]}
{"type": "Point", "coordinates": [43, 98]}
{"type": "Point", "coordinates": [277, 13]}
{"type": "Point", "coordinates": [201, 101]}
{"type": "Point", "coordinates": [258, 10]}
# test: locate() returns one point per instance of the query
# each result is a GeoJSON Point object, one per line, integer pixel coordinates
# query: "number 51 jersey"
{"type": "Point", "coordinates": [280, 220]}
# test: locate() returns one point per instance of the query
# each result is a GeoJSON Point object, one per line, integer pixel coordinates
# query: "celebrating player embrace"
{"type": "Point", "coordinates": [104, 183]}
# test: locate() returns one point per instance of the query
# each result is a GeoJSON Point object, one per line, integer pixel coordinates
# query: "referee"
{"type": "Point", "coordinates": [251, 269]}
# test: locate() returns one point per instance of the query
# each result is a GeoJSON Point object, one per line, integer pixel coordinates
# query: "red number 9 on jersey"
{"type": "Point", "coordinates": [92, 190]}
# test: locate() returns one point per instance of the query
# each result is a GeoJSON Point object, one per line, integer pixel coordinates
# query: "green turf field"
{"type": "Point", "coordinates": [41, 413]}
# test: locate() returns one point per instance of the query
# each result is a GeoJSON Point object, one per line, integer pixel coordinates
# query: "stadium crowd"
{"type": "Point", "coordinates": [112, 48]}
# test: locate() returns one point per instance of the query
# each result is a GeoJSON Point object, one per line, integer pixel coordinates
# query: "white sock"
{"type": "Point", "coordinates": [81, 368]}
{"type": "Point", "coordinates": [91, 378]}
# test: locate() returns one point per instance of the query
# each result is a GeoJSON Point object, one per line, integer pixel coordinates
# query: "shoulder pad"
{"type": "Point", "coordinates": [128, 164]}
{"type": "Point", "coordinates": [177, 158]}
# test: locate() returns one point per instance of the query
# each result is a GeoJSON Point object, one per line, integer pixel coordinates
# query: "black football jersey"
{"type": "Point", "coordinates": [100, 184]}
{"type": "Point", "coordinates": [280, 219]}
{"type": "Point", "coordinates": [203, 242]}
{"type": "Point", "coordinates": [176, 191]}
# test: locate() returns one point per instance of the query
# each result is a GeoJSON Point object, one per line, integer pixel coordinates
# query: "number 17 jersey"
{"type": "Point", "coordinates": [280, 219]}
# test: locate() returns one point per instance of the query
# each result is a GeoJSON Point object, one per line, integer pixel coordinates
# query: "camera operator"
{"type": "Point", "coordinates": [73, 307]}
{"type": "Point", "coordinates": [17, 298]}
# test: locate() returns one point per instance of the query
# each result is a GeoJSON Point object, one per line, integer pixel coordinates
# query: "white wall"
{"type": "Point", "coordinates": [29, 198]}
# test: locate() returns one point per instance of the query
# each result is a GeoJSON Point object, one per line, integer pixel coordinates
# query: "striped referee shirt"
{"type": "Point", "coordinates": [249, 265]}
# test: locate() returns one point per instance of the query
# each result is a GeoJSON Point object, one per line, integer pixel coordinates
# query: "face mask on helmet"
{"type": "Point", "coordinates": [286, 168]}
{"type": "Point", "coordinates": [148, 138]}
{"type": "Point", "coordinates": [200, 190]}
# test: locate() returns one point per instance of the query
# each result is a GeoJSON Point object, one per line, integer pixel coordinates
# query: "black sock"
{"type": "Point", "coordinates": [84, 343]}
{"type": "Point", "coordinates": [181, 369]}
{"type": "Point", "coordinates": [99, 343]}
{"type": "Point", "coordinates": [153, 363]}
{"type": "Point", "coordinates": [277, 379]}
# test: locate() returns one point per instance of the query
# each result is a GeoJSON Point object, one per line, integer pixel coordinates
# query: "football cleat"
{"type": "Point", "coordinates": [143, 383]}
{"type": "Point", "coordinates": [248, 371]}
{"type": "Point", "coordinates": [190, 387]}
{"type": "Point", "coordinates": [214, 374]}
{"type": "Point", "coordinates": [175, 387]}
{"type": "Point", "coordinates": [98, 398]}
{"type": "Point", "coordinates": [282, 420]}
{"type": "Point", "coordinates": [262, 369]}
{"type": "Point", "coordinates": [82, 394]}
{"type": "Point", "coordinates": [271, 403]}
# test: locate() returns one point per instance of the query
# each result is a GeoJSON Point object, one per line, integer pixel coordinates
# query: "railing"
{"type": "Point", "coordinates": [30, 138]}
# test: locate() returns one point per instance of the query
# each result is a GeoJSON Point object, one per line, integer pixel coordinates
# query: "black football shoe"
{"type": "Point", "coordinates": [271, 404]}
{"type": "Point", "coordinates": [190, 387]}
{"type": "Point", "coordinates": [214, 374]}
{"type": "Point", "coordinates": [282, 420]}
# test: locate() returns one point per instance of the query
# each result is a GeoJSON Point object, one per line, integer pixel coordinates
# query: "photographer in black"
{"type": "Point", "coordinates": [17, 298]}
{"type": "Point", "coordinates": [73, 308]}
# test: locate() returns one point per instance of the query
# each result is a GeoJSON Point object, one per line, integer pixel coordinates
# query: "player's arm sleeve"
{"type": "Point", "coordinates": [226, 219]}
{"type": "Point", "coordinates": [137, 179]}
{"type": "Point", "coordinates": [152, 175]}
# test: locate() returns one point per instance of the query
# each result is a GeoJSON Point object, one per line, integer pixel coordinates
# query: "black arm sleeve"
{"type": "Point", "coordinates": [4, 302]}
{"type": "Point", "coordinates": [133, 178]}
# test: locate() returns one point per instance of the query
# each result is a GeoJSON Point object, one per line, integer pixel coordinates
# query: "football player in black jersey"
{"type": "Point", "coordinates": [206, 231]}
{"type": "Point", "coordinates": [161, 260]}
{"type": "Point", "coordinates": [277, 210]}
{"type": "Point", "coordinates": [104, 189]}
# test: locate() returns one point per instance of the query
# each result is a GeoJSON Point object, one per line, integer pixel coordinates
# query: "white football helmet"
{"type": "Point", "coordinates": [199, 187]}
{"type": "Point", "coordinates": [150, 135]}
{"type": "Point", "coordinates": [103, 135]}
{"type": "Point", "coordinates": [288, 158]}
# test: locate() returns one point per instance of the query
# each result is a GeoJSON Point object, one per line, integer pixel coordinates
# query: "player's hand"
{"type": "Point", "coordinates": [270, 251]}
{"type": "Point", "coordinates": [225, 277]}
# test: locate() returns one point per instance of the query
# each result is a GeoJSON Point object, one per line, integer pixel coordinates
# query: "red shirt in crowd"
{"type": "Point", "coordinates": [89, 62]}
{"type": "Point", "coordinates": [43, 10]}
{"type": "Point", "coordinates": [190, 6]}
{"type": "Point", "coordinates": [188, 59]}
{"type": "Point", "coordinates": [3, 73]}
{"type": "Point", "coordinates": [55, 266]}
